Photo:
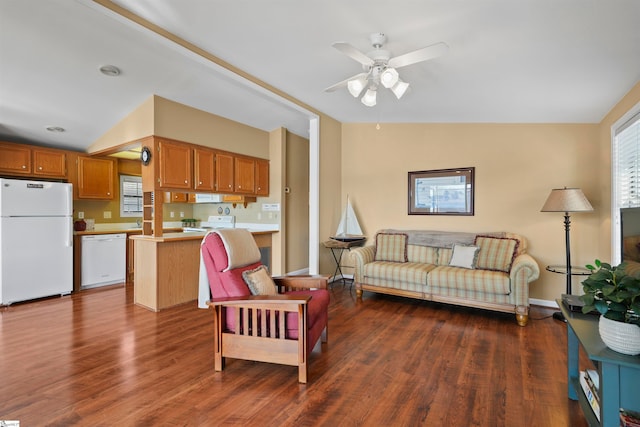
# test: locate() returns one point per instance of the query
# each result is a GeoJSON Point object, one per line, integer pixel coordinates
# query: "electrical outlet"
{"type": "Point", "coordinates": [172, 214]}
{"type": "Point", "coordinates": [181, 214]}
{"type": "Point", "coordinates": [106, 214]}
{"type": "Point", "coordinates": [80, 215]}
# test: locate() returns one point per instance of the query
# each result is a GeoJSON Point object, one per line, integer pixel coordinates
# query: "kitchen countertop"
{"type": "Point", "coordinates": [191, 235]}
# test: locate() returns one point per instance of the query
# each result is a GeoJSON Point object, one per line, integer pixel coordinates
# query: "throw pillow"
{"type": "Point", "coordinates": [496, 253]}
{"type": "Point", "coordinates": [391, 247]}
{"type": "Point", "coordinates": [259, 281]}
{"type": "Point", "coordinates": [464, 256]}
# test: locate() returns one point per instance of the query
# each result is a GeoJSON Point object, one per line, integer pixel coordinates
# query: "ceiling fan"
{"type": "Point", "coordinates": [381, 69]}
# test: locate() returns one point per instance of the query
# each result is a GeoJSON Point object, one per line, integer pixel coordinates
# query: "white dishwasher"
{"type": "Point", "coordinates": [103, 259]}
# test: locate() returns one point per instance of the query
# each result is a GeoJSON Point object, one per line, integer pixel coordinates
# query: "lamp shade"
{"type": "Point", "coordinates": [356, 86]}
{"type": "Point", "coordinates": [399, 88]}
{"type": "Point", "coordinates": [389, 77]}
{"type": "Point", "coordinates": [566, 200]}
{"type": "Point", "coordinates": [369, 98]}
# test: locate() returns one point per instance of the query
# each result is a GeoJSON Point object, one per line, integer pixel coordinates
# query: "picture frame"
{"type": "Point", "coordinates": [441, 192]}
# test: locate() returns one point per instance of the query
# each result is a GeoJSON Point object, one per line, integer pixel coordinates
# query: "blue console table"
{"type": "Point", "coordinates": [619, 373]}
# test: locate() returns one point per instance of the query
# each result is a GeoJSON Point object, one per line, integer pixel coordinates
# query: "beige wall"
{"type": "Point", "coordinates": [297, 203]}
{"type": "Point", "coordinates": [516, 166]}
{"type": "Point", "coordinates": [331, 165]}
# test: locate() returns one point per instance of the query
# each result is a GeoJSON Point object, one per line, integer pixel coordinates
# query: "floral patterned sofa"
{"type": "Point", "coordinates": [487, 270]}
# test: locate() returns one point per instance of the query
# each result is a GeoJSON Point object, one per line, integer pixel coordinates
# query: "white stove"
{"type": "Point", "coordinates": [214, 222]}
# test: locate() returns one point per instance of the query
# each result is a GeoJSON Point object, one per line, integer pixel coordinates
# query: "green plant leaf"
{"type": "Point", "coordinates": [601, 306]}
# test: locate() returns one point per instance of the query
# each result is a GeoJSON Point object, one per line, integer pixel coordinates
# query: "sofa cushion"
{"type": "Point", "coordinates": [316, 310]}
{"type": "Point", "coordinates": [492, 282]}
{"type": "Point", "coordinates": [408, 272]}
{"type": "Point", "coordinates": [259, 281]}
{"type": "Point", "coordinates": [391, 247]}
{"type": "Point", "coordinates": [496, 253]}
{"type": "Point", "coordinates": [464, 256]}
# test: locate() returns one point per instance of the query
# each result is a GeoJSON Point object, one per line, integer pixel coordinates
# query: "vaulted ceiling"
{"type": "Point", "coordinates": [526, 61]}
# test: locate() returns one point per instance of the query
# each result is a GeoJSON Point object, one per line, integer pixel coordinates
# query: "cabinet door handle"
{"type": "Point", "coordinates": [185, 181]}
{"type": "Point", "coordinates": [39, 168]}
{"type": "Point", "coordinates": [24, 166]}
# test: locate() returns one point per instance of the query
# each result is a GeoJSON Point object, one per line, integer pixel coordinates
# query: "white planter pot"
{"type": "Point", "coordinates": [619, 336]}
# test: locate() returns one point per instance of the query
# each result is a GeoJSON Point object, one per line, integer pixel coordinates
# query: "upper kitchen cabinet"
{"type": "Point", "coordinates": [204, 178]}
{"type": "Point", "coordinates": [25, 160]}
{"type": "Point", "coordinates": [244, 175]}
{"type": "Point", "coordinates": [95, 178]}
{"type": "Point", "coordinates": [175, 165]}
{"type": "Point", "coordinates": [262, 177]}
{"type": "Point", "coordinates": [49, 163]}
{"type": "Point", "coordinates": [224, 173]}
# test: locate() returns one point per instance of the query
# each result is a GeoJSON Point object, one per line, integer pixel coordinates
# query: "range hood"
{"type": "Point", "coordinates": [208, 198]}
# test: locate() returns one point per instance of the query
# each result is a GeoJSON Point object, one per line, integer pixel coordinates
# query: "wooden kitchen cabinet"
{"type": "Point", "coordinates": [244, 177]}
{"type": "Point", "coordinates": [49, 163]}
{"type": "Point", "coordinates": [204, 169]}
{"type": "Point", "coordinates": [25, 160]}
{"type": "Point", "coordinates": [224, 173]}
{"type": "Point", "coordinates": [175, 165]}
{"type": "Point", "coordinates": [15, 159]}
{"type": "Point", "coordinates": [171, 197]}
{"type": "Point", "coordinates": [262, 177]}
{"type": "Point", "coordinates": [95, 178]}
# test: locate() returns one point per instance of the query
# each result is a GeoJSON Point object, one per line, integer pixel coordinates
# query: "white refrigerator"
{"type": "Point", "coordinates": [36, 239]}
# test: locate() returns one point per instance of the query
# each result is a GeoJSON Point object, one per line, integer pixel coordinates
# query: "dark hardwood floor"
{"type": "Point", "coordinates": [96, 359]}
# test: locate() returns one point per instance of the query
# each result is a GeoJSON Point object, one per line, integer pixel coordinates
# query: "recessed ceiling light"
{"type": "Point", "coordinates": [55, 129]}
{"type": "Point", "coordinates": [110, 70]}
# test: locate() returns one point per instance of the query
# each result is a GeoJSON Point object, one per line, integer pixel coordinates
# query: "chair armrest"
{"type": "Point", "coordinates": [286, 283]}
{"type": "Point", "coordinates": [259, 300]}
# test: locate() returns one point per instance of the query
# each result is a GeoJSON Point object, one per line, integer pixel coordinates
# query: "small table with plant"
{"type": "Point", "coordinates": [616, 296]}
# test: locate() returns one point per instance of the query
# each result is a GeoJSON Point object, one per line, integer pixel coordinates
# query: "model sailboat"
{"type": "Point", "coordinates": [349, 229]}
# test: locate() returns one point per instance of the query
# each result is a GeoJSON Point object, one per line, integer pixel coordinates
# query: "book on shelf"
{"type": "Point", "coordinates": [590, 394]}
{"type": "Point", "coordinates": [593, 380]}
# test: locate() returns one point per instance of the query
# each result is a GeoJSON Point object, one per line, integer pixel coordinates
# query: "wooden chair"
{"type": "Point", "coordinates": [282, 328]}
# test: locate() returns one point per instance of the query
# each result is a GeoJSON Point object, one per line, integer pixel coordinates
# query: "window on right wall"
{"type": "Point", "coordinates": [625, 178]}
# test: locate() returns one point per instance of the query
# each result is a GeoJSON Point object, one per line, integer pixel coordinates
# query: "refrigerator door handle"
{"type": "Point", "coordinates": [69, 242]}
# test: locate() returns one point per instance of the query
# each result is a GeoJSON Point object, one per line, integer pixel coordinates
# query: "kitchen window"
{"type": "Point", "coordinates": [130, 196]}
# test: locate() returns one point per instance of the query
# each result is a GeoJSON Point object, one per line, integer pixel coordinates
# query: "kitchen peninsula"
{"type": "Point", "coordinates": [167, 267]}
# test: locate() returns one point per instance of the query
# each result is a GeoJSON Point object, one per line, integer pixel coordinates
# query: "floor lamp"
{"type": "Point", "coordinates": [566, 200]}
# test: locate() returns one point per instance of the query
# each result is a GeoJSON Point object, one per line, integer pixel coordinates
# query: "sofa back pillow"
{"type": "Point", "coordinates": [496, 253]}
{"type": "Point", "coordinates": [391, 247]}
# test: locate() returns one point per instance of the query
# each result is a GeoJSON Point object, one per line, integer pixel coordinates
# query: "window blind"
{"type": "Point", "coordinates": [627, 146]}
{"type": "Point", "coordinates": [131, 199]}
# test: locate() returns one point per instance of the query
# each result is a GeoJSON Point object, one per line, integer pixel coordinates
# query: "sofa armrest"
{"type": "Point", "coordinates": [523, 271]}
{"type": "Point", "coordinates": [361, 256]}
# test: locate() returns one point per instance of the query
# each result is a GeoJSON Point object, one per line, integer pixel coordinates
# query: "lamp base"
{"type": "Point", "coordinates": [559, 316]}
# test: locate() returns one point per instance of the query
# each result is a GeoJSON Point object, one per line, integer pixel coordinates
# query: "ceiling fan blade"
{"type": "Point", "coordinates": [424, 54]}
{"type": "Point", "coordinates": [353, 53]}
{"type": "Point", "coordinates": [344, 82]}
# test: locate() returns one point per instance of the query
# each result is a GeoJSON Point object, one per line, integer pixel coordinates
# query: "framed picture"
{"type": "Point", "coordinates": [441, 192]}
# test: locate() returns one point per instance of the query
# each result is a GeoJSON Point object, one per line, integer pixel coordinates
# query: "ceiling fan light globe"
{"type": "Point", "coordinates": [389, 77]}
{"type": "Point", "coordinates": [356, 86]}
{"type": "Point", "coordinates": [369, 98]}
{"type": "Point", "coordinates": [399, 88]}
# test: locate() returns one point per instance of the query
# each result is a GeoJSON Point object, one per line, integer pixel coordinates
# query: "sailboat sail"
{"type": "Point", "coordinates": [349, 228]}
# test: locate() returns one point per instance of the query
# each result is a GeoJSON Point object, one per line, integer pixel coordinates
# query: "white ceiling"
{"type": "Point", "coordinates": [525, 61]}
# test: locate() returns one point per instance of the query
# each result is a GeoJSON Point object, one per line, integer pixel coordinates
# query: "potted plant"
{"type": "Point", "coordinates": [616, 295]}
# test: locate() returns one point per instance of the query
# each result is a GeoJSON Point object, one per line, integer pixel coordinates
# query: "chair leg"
{"type": "Point", "coordinates": [302, 373]}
